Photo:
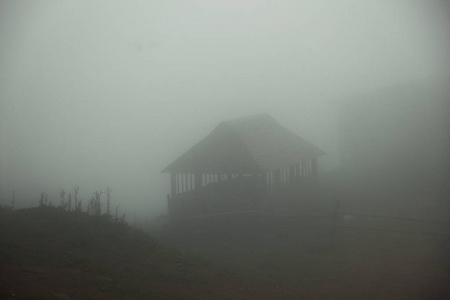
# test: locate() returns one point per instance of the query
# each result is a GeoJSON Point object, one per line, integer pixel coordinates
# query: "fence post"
{"type": "Point", "coordinates": [13, 198]}
{"type": "Point", "coordinates": [334, 222]}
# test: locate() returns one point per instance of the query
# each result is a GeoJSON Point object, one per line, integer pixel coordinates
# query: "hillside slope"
{"type": "Point", "coordinates": [46, 253]}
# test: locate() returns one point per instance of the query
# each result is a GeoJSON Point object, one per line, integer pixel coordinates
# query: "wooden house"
{"type": "Point", "coordinates": [240, 162]}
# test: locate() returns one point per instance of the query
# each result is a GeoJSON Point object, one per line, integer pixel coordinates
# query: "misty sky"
{"type": "Point", "coordinates": [109, 93]}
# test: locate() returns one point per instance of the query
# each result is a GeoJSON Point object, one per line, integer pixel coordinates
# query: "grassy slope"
{"type": "Point", "coordinates": [46, 251]}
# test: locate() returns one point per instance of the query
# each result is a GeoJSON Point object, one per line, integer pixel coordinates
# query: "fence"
{"type": "Point", "coordinates": [331, 217]}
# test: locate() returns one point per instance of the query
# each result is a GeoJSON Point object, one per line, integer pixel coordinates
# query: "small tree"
{"type": "Point", "coordinates": [77, 204]}
{"type": "Point", "coordinates": [62, 194]}
{"type": "Point", "coordinates": [41, 200]}
{"type": "Point", "coordinates": [95, 204]}
{"type": "Point", "coordinates": [69, 202]}
{"type": "Point", "coordinates": [108, 200]}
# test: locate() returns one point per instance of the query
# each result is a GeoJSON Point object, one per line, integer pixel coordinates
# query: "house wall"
{"type": "Point", "coordinates": [197, 194]}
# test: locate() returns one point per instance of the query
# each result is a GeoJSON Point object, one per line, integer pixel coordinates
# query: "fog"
{"type": "Point", "coordinates": [108, 94]}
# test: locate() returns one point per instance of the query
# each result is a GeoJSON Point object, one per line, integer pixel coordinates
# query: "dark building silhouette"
{"type": "Point", "coordinates": [238, 164]}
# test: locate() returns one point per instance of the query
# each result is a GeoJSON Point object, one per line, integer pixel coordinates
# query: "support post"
{"type": "Point", "coordinates": [198, 181]}
{"type": "Point", "coordinates": [291, 173]}
{"type": "Point", "coordinates": [314, 166]}
{"type": "Point", "coordinates": [277, 179]}
{"type": "Point", "coordinates": [173, 186]}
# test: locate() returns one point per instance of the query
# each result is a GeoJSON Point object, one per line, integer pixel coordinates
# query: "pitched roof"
{"type": "Point", "coordinates": [249, 145]}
